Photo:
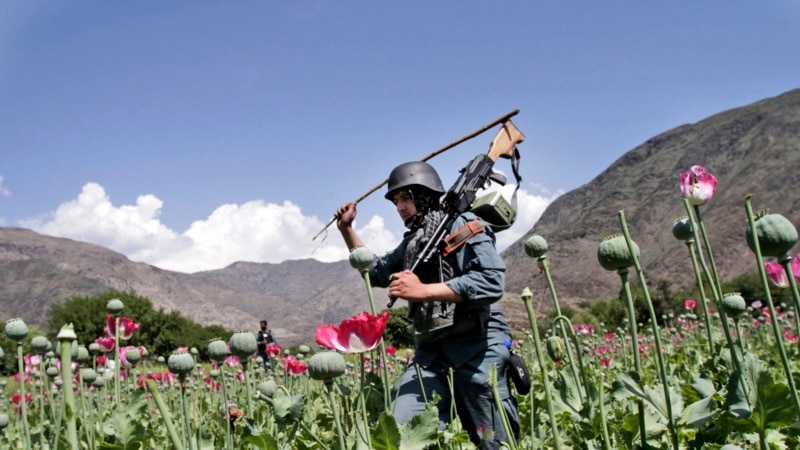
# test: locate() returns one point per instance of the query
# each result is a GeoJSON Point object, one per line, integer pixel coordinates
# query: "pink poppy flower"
{"type": "Point", "coordinates": [273, 350]}
{"type": "Point", "coordinates": [697, 185]}
{"type": "Point", "coordinates": [777, 274]}
{"type": "Point", "coordinates": [106, 343]}
{"type": "Point", "coordinates": [293, 366]}
{"type": "Point", "coordinates": [358, 334]}
{"type": "Point", "coordinates": [126, 327]}
{"type": "Point", "coordinates": [390, 350]}
{"type": "Point", "coordinates": [689, 303]}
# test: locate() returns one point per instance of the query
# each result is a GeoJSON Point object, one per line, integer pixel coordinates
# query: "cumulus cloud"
{"type": "Point", "coordinates": [255, 231]}
{"type": "Point", "coordinates": [4, 192]}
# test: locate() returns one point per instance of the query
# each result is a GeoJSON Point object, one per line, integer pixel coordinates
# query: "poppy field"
{"type": "Point", "coordinates": [720, 374]}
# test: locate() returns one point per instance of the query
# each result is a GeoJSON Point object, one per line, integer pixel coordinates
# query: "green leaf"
{"type": "Point", "coordinates": [421, 431]}
{"type": "Point", "coordinates": [386, 434]}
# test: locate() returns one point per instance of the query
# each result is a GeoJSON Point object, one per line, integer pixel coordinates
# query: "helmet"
{"type": "Point", "coordinates": [416, 173]}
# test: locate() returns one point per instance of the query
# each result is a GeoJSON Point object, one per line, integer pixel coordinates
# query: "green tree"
{"type": "Point", "coordinates": [398, 330]}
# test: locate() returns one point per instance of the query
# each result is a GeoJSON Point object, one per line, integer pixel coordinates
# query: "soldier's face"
{"type": "Point", "coordinates": [404, 204]}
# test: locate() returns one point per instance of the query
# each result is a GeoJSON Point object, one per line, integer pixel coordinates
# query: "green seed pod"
{"type": "Point", "coordinates": [94, 348]}
{"type": "Point", "coordinates": [39, 344]}
{"type": "Point", "coordinates": [243, 344]}
{"type": "Point", "coordinates": [555, 348]}
{"type": "Point", "coordinates": [731, 447]}
{"type": "Point", "coordinates": [303, 348]}
{"type": "Point", "coordinates": [88, 375]}
{"type": "Point", "coordinates": [733, 305]}
{"type": "Point", "coordinates": [326, 366]}
{"type": "Point", "coordinates": [99, 382]}
{"type": "Point", "coordinates": [613, 253]}
{"type": "Point", "coordinates": [2, 353]}
{"type": "Point", "coordinates": [132, 355]}
{"type": "Point", "coordinates": [682, 229]}
{"type": "Point", "coordinates": [267, 388]}
{"type": "Point", "coordinates": [3, 420]}
{"type": "Point", "coordinates": [83, 354]}
{"type": "Point", "coordinates": [115, 306]}
{"type": "Point", "coordinates": [51, 371]}
{"type": "Point", "coordinates": [180, 363]}
{"type": "Point", "coordinates": [535, 246]}
{"type": "Point", "coordinates": [218, 350]}
{"type": "Point", "coordinates": [16, 329]}
{"type": "Point", "coordinates": [776, 235]}
{"type": "Point", "coordinates": [361, 258]}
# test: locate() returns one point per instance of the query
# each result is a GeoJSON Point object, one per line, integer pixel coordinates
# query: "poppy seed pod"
{"type": "Point", "coordinates": [776, 235]}
{"type": "Point", "coordinates": [267, 388]}
{"type": "Point", "coordinates": [682, 229]}
{"type": "Point", "coordinates": [243, 344]}
{"type": "Point", "coordinates": [733, 305]}
{"type": "Point", "coordinates": [535, 246]}
{"type": "Point", "coordinates": [304, 349]}
{"type": "Point", "coordinates": [180, 363]}
{"type": "Point", "coordinates": [115, 306]}
{"type": "Point", "coordinates": [218, 350]}
{"type": "Point", "coordinates": [326, 366]}
{"type": "Point", "coordinates": [39, 344]}
{"type": "Point", "coordinates": [613, 253]}
{"type": "Point", "coordinates": [82, 355]}
{"type": "Point", "coordinates": [555, 348]}
{"type": "Point", "coordinates": [361, 258]}
{"type": "Point", "coordinates": [88, 375]}
{"type": "Point", "coordinates": [3, 420]}
{"type": "Point", "coordinates": [16, 330]}
{"type": "Point", "coordinates": [132, 355]}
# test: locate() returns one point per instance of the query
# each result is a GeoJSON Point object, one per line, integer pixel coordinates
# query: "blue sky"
{"type": "Point", "coordinates": [190, 135]}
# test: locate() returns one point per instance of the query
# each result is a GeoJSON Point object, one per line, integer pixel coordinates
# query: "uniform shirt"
{"type": "Point", "coordinates": [478, 277]}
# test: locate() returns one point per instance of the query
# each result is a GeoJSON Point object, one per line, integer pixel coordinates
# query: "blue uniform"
{"type": "Point", "coordinates": [470, 344]}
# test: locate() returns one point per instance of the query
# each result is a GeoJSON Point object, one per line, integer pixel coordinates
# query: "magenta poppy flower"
{"type": "Point", "coordinates": [293, 366]}
{"type": "Point", "coordinates": [126, 327]}
{"type": "Point", "coordinates": [697, 185]}
{"type": "Point", "coordinates": [273, 350]}
{"type": "Point", "coordinates": [106, 343]}
{"type": "Point", "coordinates": [689, 303]}
{"type": "Point", "coordinates": [777, 274]}
{"type": "Point", "coordinates": [358, 334]}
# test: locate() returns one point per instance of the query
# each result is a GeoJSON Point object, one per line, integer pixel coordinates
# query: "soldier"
{"type": "Point", "coordinates": [458, 326]}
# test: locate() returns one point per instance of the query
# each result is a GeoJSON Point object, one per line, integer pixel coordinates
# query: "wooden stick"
{"type": "Point", "coordinates": [429, 156]}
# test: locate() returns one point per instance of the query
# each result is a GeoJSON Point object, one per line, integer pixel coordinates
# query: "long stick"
{"type": "Point", "coordinates": [429, 156]}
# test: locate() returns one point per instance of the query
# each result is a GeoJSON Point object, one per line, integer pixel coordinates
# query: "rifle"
{"type": "Point", "coordinates": [462, 194]}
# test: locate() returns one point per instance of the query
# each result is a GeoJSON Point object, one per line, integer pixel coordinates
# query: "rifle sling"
{"type": "Point", "coordinates": [456, 239]}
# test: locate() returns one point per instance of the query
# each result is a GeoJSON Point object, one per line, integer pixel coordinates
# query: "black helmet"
{"type": "Point", "coordinates": [415, 173]}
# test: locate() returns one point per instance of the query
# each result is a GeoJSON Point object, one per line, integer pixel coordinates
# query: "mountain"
{"type": "Point", "coordinates": [752, 150]}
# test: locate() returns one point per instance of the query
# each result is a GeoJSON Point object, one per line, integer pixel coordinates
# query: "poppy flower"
{"type": "Point", "coordinates": [777, 274]}
{"type": "Point", "coordinates": [689, 304]}
{"type": "Point", "coordinates": [293, 366]}
{"type": "Point", "coordinates": [358, 334]}
{"type": "Point", "coordinates": [126, 327]}
{"type": "Point", "coordinates": [106, 343]}
{"type": "Point", "coordinates": [697, 185]}
{"type": "Point", "coordinates": [273, 350]}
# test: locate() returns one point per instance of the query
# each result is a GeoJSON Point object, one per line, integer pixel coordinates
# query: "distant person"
{"type": "Point", "coordinates": [264, 337]}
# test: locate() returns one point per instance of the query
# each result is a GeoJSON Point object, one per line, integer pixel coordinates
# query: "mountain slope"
{"type": "Point", "coordinates": [752, 150]}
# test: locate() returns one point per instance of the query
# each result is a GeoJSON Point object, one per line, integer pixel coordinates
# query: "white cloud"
{"type": "Point", "coordinates": [254, 231]}
{"type": "Point", "coordinates": [4, 192]}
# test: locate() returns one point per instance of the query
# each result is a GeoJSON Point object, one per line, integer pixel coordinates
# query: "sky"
{"type": "Point", "coordinates": [193, 134]}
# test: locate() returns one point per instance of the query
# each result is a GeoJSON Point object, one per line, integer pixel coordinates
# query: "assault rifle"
{"type": "Point", "coordinates": [460, 197]}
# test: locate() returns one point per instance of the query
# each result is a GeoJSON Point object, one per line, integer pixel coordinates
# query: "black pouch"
{"type": "Point", "coordinates": [518, 371]}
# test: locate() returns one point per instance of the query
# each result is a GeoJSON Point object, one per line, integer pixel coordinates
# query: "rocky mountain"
{"type": "Point", "coordinates": [751, 150]}
{"type": "Point", "coordinates": [754, 150]}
